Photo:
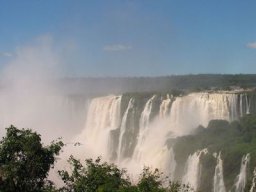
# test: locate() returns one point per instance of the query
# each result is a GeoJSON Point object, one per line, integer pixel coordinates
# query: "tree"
{"type": "Point", "coordinates": [24, 161]}
{"type": "Point", "coordinates": [150, 181]}
{"type": "Point", "coordinates": [95, 177]}
{"type": "Point", "coordinates": [178, 187]}
{"type": "Point", "coordinates": [104, 177]}
{"type": "Point", "coordinates": [154, 181]}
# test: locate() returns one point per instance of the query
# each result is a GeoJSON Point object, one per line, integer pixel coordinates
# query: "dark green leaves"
{"type": "Point", "coordinates": [24, 161]}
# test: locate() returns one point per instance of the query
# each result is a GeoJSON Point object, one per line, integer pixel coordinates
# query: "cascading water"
{"type": "Point", "coordinates": [247, 105]}
{"type": "Point", "coordinates": [199, 108]}
{"type": "Point", "coordinates": [253, 185]}
{"type": "Point", "coordinates": [103, 116]}
{"type": "Point", "coordinates": [134, 132]}
{"type": "Point", "coordinates": [192, 169]}
{"type": "Point", "coordinates": [218, 181]}
{"type": "Point", "coordinates": [126, 125]}
{"type": "Point", "coordinates": [144, 126]}
{"type": "Point", "coordinates": [242, 177]}
{"type": "Point", "coordinates": [151, 149]}
{"type": "Point", "coordinates": [165, 106]}
{"type": "Point", "coordinates": [244, 104]}
{"type": "Point", "coordinates": [145, 115]}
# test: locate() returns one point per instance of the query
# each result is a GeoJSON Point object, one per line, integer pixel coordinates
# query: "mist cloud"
{"type": "Point", "coordinates": [30, 96]}
{"type": "Point", "coordinates": [6, 54]}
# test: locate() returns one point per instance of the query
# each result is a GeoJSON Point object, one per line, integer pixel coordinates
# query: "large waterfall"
{"type": "Point", "coordinates": [103, 117]}
{"type": "Point", "coordinates": [192, 169]}
{"type": "Point", "coordinates": [242, 177]}
{"type": "Point", "coordinates": [133, 130]}
{"type": "Point", "coordinates": [218, 184]}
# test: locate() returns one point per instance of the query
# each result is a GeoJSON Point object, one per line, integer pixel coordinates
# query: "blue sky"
{"type": "Point", "coordinates": [136, 37]}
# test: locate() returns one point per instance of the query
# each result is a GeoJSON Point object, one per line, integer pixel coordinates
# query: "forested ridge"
{"type": "Point", "coordinates": [189, 83]}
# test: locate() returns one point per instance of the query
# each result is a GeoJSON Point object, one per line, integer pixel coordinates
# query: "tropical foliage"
{"type": "Point", "coordinates": [25, 162]}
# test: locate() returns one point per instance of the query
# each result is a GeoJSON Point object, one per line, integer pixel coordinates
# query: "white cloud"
{"type": "Point", "coordinates": [117, 47]}
{"type": "Point", "coordinates": [5, 54]}
{"type": "Point", "coordinates": [251, 45]}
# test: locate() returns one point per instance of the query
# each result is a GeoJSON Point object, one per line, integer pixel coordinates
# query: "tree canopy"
{"type": "Point", "coordinates": [24, 161]}
{"type": "Point", "coordinates": [97, 176]}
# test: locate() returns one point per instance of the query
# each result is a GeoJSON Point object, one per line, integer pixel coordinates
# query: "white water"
{"type": "Point", "coordinates": [124, 128]}
{"type": "Point", "coordinates": [253, 187]}
{"type": "Point", "coordinates": [218, 180]}
{"type": "Point", "coordinates": [144, 143]}
{"type": "Point", "coordinates": [247, 104]}
{"type": "Point", "coordinates": [177, 116]}
{"type": "Point", "coordinates": [145, 115]}
{"type": "Point", "coordinates": [144, 127]}
{"type": "Point", "coordinates": [165, 107]}
{"type": "Point", "coordinates": [242, 177]}
{"type": "Point", "coordinates": [199, 108]}
{"type": "Point", "coordinates": [151, 149]}
{"type": "Point", "coordinates": [103, 116]}
{"type": "Point", "coordinates": [192, 169]}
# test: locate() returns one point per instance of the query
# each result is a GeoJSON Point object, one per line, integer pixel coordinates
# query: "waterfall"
{"type": "Point", "coordinates": [241, 104]}
{"type": "Point", "coordinates": [171, 165]}
{"type": "Point", "coordinates": [247, 104]}
{"type": "Point", "coordinates": [241, 178]}
{"type": "Point", "coordinates": [151, 149]}
{"type": "Point", "coordinates": [233, 106]}
{"type": "Point", "coordinates": [165, 107]}
{"type": "Point", "coordinates": [138, 135]}
{"type": "Point", "coordinates": [178, 115]}
{"type": "Point", "coordinates": [124, 126]}
{"type": "Point", "coordinates": [192, 169]}
{"type": "Point", "coordinates": [199, 108]}
{"type": "Point", "coordinates": [145, 115]}
{"type": "Point", "coordinates": [218, 181]}
{"type": "Point", "coordinates": [103, 116]}
{"type": "Point", "coordinates": [144, 125]}
{"type": "Point", "coordinates": [253, 186]}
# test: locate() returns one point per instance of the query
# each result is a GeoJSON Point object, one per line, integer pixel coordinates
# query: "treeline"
{"type": "Point", "coordinates": [115, 85]}
{"type": "Point", "coordinates": [25, 164]}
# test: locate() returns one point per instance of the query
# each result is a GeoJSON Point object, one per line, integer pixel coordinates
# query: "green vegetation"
{"type": "Point", "coordinates": [95, 176]}
{"type": "Point", "coordinates": [233, 140]}
{"type": "Point", "coordinates": [187, 83]}
{"type": "Point", "coordinates": [25, 163]}
{"type": "Point", "coordinates": [103, 177]}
